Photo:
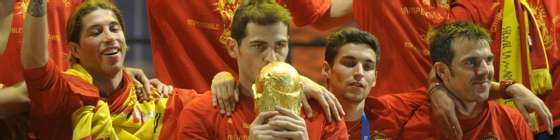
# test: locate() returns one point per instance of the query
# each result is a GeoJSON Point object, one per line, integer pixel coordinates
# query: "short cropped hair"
{"type": "Point", "coordinates": [262, 12]}
{"type": "Point", "coordinates": [350, 35]}
{"type": "Point", "coordinates": [440, 39]}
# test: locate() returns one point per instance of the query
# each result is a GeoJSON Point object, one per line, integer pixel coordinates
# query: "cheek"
{"type": "Point", "coordinates": [370, 77]}
{"type": "Point", "coordinates": [341, 73]}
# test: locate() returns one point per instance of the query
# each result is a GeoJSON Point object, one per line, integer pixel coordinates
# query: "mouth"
{"type": "Point", "coordinates": [481, 83]}
{"type": "Point", "coordinates": [356, 84]}
{"type": "Point", "coordinates": [111, 51]}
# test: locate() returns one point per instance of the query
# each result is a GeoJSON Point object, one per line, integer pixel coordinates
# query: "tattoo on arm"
{"type": "Point", "coordinates": [37, 8]}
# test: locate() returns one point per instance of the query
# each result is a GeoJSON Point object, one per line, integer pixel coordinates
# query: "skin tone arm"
{"type": "Point", "coordinates": [6, 15]}
{"type": "Point", "coordinates": [340, 13]}
{"type": "Point", "coordinates": [35, 36]}
{"type": "Point", "coordinates": [224, 83]}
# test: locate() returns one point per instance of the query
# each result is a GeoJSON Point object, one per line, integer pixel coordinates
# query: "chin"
{"type": "Point", "coordinates": [112, 69]}
{"type": "Point", "coordinates": [355, 97]}
{"type": "Point", "coordinates": [483, 96]}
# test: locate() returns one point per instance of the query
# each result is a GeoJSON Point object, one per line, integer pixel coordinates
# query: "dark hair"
{"type": "Point", "coordinates": [74, 26]}
{"type": "Point", "coordinates": [349, 35]}
{"type": "Point", "coordinates": [262, 12]}
{"type": "Point", "coordinates": [440, 39]}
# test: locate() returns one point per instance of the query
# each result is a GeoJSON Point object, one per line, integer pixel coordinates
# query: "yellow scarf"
{"type": "Point", "coordinates": [516, 56]}
{"type": "Point", "coordinates": [134, 120]}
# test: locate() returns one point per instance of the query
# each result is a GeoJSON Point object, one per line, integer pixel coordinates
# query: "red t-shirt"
{"type": "Point", "coordinates": [58, 12]}
{"type": "Point", "coordinates": [55, 96]}
{"type": "Point", "coordinates": [395, 117]}
{"type": "Point", "coordinates": [486, 14]}
{"type": "Point", "coordinates": [400, 26]}
{"type": "Point", "coordinates": [200, 120]}
{"type": "Point", "coordinates": [188, 37]}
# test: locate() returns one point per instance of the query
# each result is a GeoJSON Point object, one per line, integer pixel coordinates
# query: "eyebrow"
{"type": "Point", "coordinates": [354, 58]}
{"type": "Point", "coordinates": [257, 42]}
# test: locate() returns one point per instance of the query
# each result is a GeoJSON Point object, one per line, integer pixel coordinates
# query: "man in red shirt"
{"type": "Point", "coordinates": [95, 98]}
{"type": "Point", "coordinates": [402, 26]}
{"type": "Point", "coordinates": [351, 57]}
{"type": "Point", "coordinates": [462, 60]}
{"type": "Point", "coordinates": [260, 36]}
{"type": "Point", "coordinates": [13, 98]}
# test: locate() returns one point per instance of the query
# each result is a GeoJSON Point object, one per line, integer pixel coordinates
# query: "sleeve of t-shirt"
{"type": "Point", "coordinates": [47, 90]}
{"type": "Point", "coordinates": [305, 12]}
{"type": "Point", "coordinates": [480, 12]}
{"type": "Point", "coordinates": [194, 123]}
{"type": "Point", "coordinates": [175, 104]}
{"type": "Point", "coordinates": [388, 113]}
{"type": "Point", "coordinates": [335, 130]}
{"type": "Point", "coordinates": [523, 131]}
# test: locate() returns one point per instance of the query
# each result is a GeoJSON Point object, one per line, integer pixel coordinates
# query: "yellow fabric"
{"type": "Point", "coordinates": [511, 63]}
{"type": "Point", "coordinates": [134, 120]}
{"type": "Point", "coordinates": [510, 54]}
{"type": "Point", "coordinates": [541, 80]}
{"type": "Point", "coordinates": [79, 71]}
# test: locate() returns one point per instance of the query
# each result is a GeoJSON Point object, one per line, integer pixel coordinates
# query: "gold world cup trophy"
{"type": "Point", "coordinates": [278, 84]}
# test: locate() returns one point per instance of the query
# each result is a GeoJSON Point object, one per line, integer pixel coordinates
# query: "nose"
{"type": "Point", "coordinates": [271, 56]}
{"type": "Point", "coordinates": [484, 69]}
{"type": "Point", "coordinates": [358, 72]}
{"type": "Point", "coordinates": [109, 37]}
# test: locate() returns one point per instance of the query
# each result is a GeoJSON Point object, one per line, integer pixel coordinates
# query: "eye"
{"type": "Point", "coordinates": [114, 28]}
{"type": "Point", "coordinates": [369, 66]}
{"type": "Point", "coordinates": [94, 32]}
{"type": "Point", "coordinates": [489, 60]}
{"type": "Point", "coordinates": [259, 46]}
{"type": "Point", "coordinates": [470, 63]}
{"type": "Point", "coordinates": [280, 47]}
{"type": "Point", "coordinates": [348, 63]}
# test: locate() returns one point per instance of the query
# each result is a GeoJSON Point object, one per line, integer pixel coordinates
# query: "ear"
{"type": "Point", "coordinates": [442, 71]}
{"type": "Point", "coordinates": [326, 70]}
{"type": "Point", "coordinates": [374, 79]}
{"type": "Point", "coordinates": [232, 47]}
{"type": "Point", "coordinates": [74, 50]}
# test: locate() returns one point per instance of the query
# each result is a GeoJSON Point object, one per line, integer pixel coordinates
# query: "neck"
{"type": "Point", "coordinates": [466, 109]}
{"type": "Point", "coordinates": [353, 109]}
{"type": "Point", "coordinates": [245, 87]}
{"type": "Point", "coordinates": [108, 84]}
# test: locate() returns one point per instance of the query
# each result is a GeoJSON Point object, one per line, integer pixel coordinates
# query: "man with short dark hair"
{"type": "Point", "coordinates": [351, 57]}
{"type": "Point", "coordinates": [462, 60]}
{"type": "Point", "coordinates": [259, 37]}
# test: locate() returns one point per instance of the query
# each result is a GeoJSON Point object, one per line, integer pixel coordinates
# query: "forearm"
{"type": "Point", "coordinates": [340, 8]}
{"type": "Point", "coordinates": [6, 8]}
{"type": "Point", "coordinates": [339, 13]}
{"type": "Point", "coordinates": [35, 36]}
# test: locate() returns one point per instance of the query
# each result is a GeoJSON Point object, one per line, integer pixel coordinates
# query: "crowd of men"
{"type": "Point", "coordinates": [410, 70]}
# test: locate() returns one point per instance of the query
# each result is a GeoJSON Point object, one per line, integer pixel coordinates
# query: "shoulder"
{"type": "Point", "coordinates": [318, 126]}
{"type": "Point", "coordinates": [504, 111]}
{"type": "Point", "coordinates": [203, 103]}
{"type": "Point", "coordinates": [511, 120]}
{"type": "Point", "coordinates": [401, 102]}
